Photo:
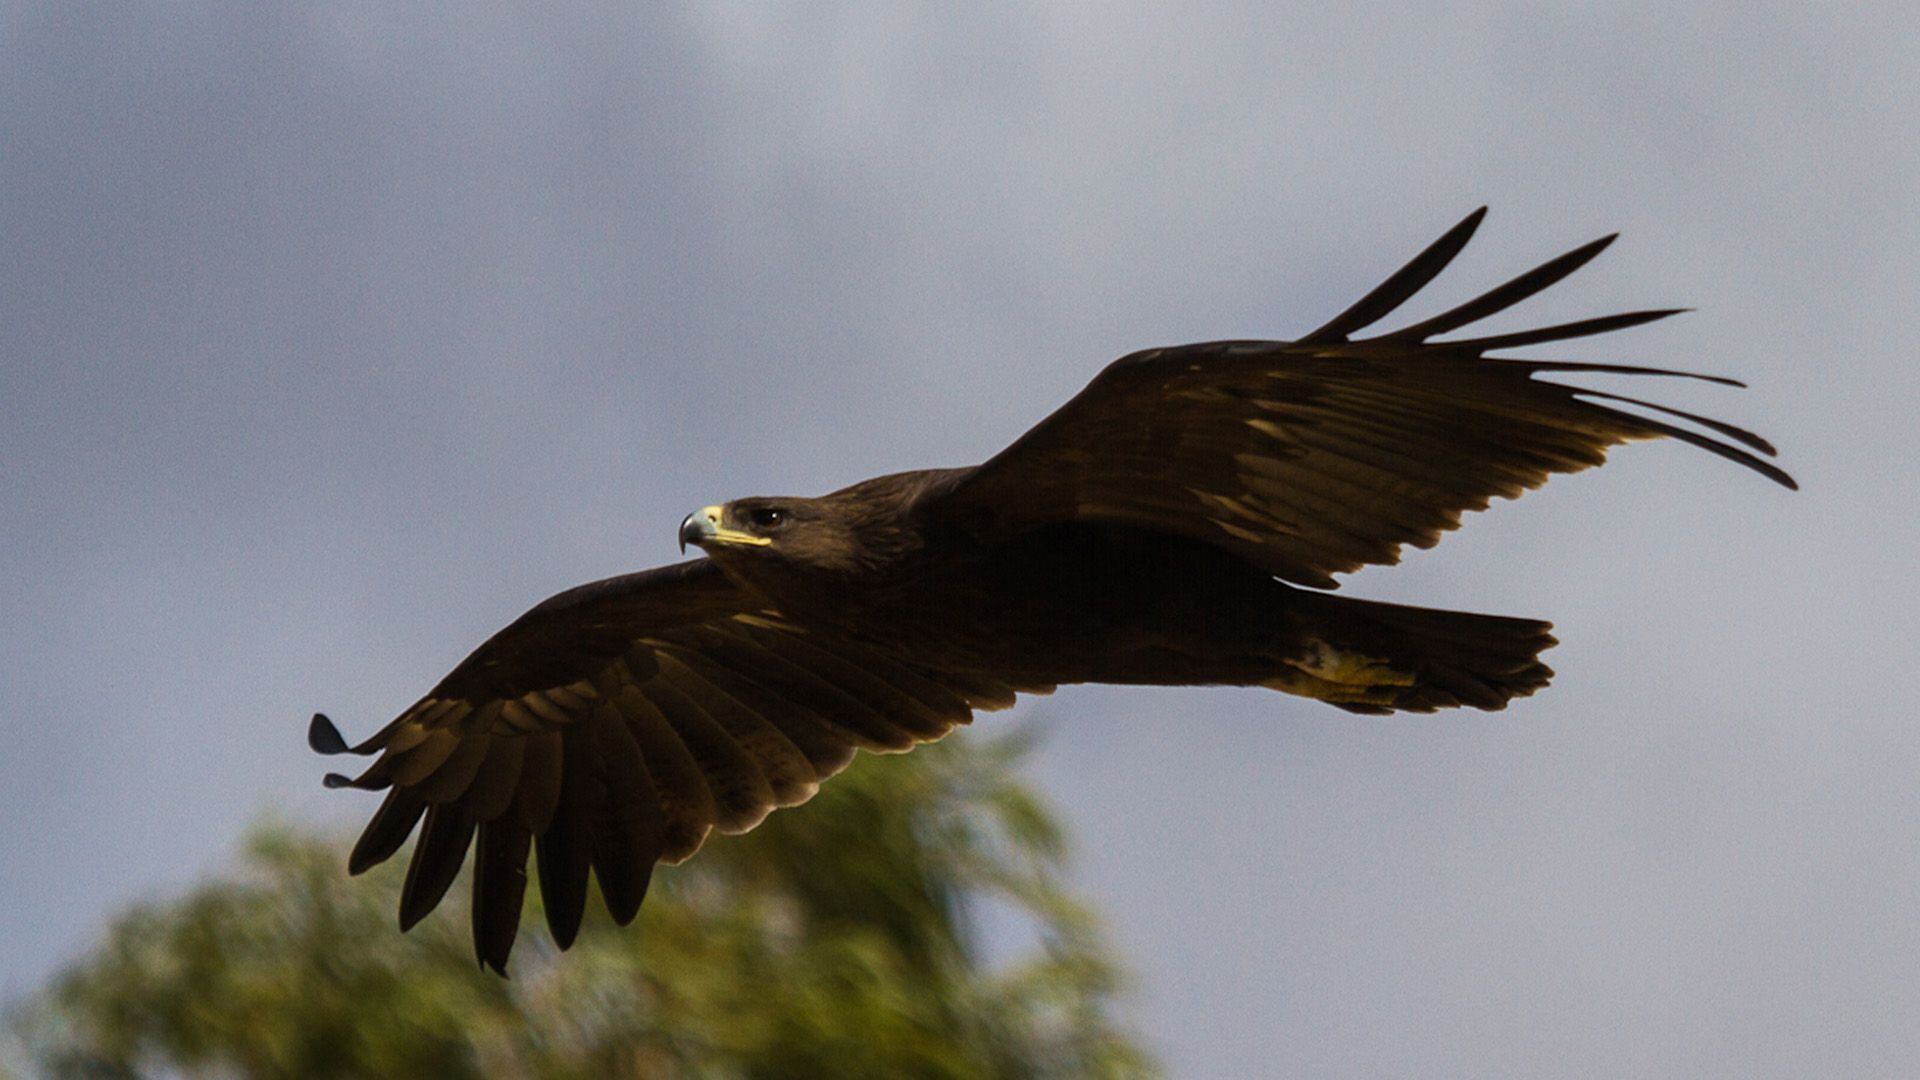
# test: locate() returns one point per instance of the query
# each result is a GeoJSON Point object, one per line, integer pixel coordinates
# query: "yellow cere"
{"type": "Point", "coordinates": [730, 536]}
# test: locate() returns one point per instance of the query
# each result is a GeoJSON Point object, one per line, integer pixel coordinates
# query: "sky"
{"type": "Point", "coordinates": [333, 335]}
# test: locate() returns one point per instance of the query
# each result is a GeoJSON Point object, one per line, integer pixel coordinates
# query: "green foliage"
{"type": "Point", "coordinates": [832, 941]}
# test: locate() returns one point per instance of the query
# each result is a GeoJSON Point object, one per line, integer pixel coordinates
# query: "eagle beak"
{"type": "Point", "coordinates": [702, 527]}
{"type": "Point", "coordinates": [694, 530]}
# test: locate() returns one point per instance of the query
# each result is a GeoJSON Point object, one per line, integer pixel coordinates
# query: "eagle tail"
{"type": "Point", "coordinates": [1370, 657]}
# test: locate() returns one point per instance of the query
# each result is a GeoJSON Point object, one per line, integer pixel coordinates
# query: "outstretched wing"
{"type": "Point", "coordinates": [1318, 456]}
{"type": "Point", "coordinates": [612, 727]}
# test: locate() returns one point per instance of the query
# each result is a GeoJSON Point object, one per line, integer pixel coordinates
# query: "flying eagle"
{"type": "Point", "coordinates": [1158, 528]}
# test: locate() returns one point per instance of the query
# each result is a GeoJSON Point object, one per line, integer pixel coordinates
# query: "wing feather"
{"type": "Point", "coordinates": [741, 794]}
{"type": "Point", "coordinates": [1401, 287]}
{"type": "Point", "coordinates": [614, 727]}
{"type": "Point", "coordinates": [492, 791]}
{"type": "Point", "coordinates": [1505, 295]}
{"type": "Point", "coordinates": [455, 775]}
{"type": "Point", "coordinates": [686, 800]}
{"type": "Point", "coordinates": [436, 861]}
{"type": "Point", "coordinates": [1317, 457]}
{"type": "Point", "coordinates": [499, 889]}
{"type": "Point", "coordinates": [789, 775]}
{"type": "Point", "coordinates": [628, 834]}
{"type": "Point", "coordinates": [391, 825]}
{"type": "Point", "coordinates": [869, 677]}
{"type": "Point", "coordinates": [825, 750]}
{"type": "Point", "coordinates": [563, 851]}
{"type": "Point", "coordinates": [537, 797]}
{"type": "Point", "coordinates": [767, 657]}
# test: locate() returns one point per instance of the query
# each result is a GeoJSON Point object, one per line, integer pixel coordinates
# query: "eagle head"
{"type": "Point", "coordinates": [793, 533]}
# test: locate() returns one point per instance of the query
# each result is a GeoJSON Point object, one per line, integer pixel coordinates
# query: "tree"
{"type": "Point", "coordinates": [838, 940]}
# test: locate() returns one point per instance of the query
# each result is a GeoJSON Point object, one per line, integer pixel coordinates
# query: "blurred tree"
{"type": "Point", "coordinates": [835, 941]}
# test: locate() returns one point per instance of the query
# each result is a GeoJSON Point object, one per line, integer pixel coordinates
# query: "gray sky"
{"type": "Point", "coordinates": [331, 337]}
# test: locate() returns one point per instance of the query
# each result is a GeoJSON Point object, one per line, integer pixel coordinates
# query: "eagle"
{"type": "Point", "coordinates": [1178, 523]}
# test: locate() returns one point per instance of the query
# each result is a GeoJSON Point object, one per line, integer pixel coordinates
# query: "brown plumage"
{"type": "Point", "coordinates": [1146, 532]}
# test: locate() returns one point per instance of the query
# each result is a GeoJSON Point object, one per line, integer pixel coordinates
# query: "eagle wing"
{"type": "Point", "coordinates": [613, 726]}
{"type": "Point", "coordinates": [1319, 456]}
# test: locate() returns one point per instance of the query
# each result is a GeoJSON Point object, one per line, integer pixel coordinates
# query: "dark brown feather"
{"type": "Point", "coordinates": [768, 660]}
{"type": "Point", "coordinates": [686, 802]}
{"type": "Point", "coordinates": [825, 749]}
{"type": "Point", "coordinates": [563, 852]}
{"type": "Point", "coordinates": [1401, 287]}
{"type": "Point", "coordinates": [493, 790]}
{"type": "Point", "coordinates": [1582, 328]}
{"type": "Point", "coordinates": [391, 825]}
{"type": "Point", "coordinates": [1505, 295]}
{"type": "Point", "coordinates": [627, 831]}
{"type": "Point", "coordinates": [436, 861]}
{"type": "Point", "coordinates": [537, 794]}
{"type": "Point", "coordinates": [499, 890]}
{"type": "Point", "coordinates": [918, 718]}
{"type": "Point", "coordinates": [790, 777]}
{"type": "Point", "coordinates": [414, 765]}
{"type": "Point", "coordinates": [455, 775]}
{"type": "Point", "coordinates": [741, 794]}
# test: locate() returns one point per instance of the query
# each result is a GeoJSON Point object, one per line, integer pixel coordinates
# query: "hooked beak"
{"type": "Point", "coordinates": [696, 527]}
{"type": "Point", "coordinates": [702, 527]}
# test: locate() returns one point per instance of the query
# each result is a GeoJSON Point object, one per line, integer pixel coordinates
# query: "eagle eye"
{"type": "Point", "coordinates": [767, 517]}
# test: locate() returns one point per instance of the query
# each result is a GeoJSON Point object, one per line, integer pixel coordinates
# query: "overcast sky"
{"type": "Point", "coordinates": [334, 335]}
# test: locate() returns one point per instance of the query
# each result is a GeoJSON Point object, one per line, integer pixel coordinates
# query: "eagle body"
{"type": "Point", "coordinates": [1067, 603]}
{"type": "Point", "coordinates": [1179, 522]}
{"type": "Point", "coordinates": [1081, 602]}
